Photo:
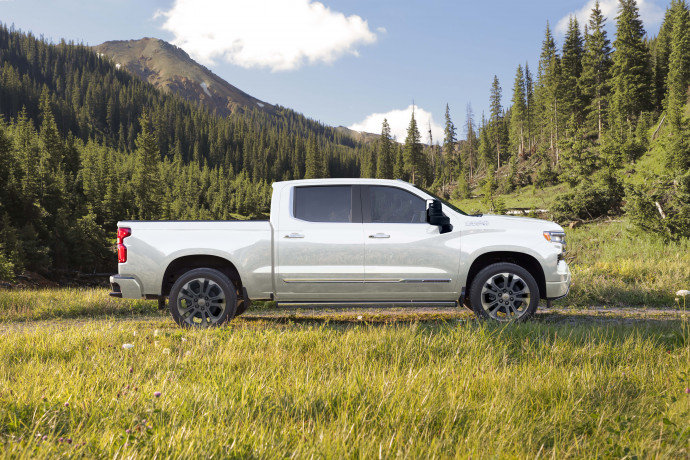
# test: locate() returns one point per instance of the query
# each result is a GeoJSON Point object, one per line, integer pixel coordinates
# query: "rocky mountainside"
{"type": "Point", "coordinates": [170, 69]}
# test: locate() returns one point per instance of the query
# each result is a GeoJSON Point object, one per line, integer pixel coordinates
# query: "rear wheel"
{"type": "Point", "coordinates": [202, 297]}
{"type": "Point", "coordinates": [504, 292]}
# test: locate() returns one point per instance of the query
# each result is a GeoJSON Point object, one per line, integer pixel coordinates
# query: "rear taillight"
{"type": "Point", "coordinates": [122, 233]}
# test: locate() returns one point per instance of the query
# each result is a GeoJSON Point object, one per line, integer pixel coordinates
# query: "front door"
{"type": "Point", "coordinates": [405, 258]}
{"type": "Point", "coordinates": [320, 245]}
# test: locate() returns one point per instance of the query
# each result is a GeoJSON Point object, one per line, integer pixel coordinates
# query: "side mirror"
{"type": "Point", "coordinates": [435, 216]}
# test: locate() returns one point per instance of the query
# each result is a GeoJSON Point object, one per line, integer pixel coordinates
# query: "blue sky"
{"type": "Point", "coordinates": [343, 62]}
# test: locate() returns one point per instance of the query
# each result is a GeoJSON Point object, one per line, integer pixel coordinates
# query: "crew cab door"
{"type": "Point", "coordinates": [320, 245]}
{"type": "Point", "coordinates": [405, 258]}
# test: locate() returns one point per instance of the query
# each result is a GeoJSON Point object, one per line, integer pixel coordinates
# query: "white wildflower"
{"type": "Point", "coordinates": [166, 351]}
{"type": "Point", "coordinates": [127, 346]}
{"type": "Point", "coordinates": [683, 292]}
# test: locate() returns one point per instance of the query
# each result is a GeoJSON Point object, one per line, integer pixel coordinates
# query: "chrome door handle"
{"type": "Point", "coordinates": [294, 235]}
{"type": "Point", "coordinates": [379, 235]}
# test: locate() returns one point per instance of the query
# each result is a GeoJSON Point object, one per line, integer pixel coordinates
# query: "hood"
{"type": "Point", "coordinates": [513, 222]}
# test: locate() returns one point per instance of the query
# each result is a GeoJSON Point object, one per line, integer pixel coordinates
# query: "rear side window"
{"type": "Point", "coordinates": [395, 205]}
{"type": "Point", "coordinates": [323, 204]}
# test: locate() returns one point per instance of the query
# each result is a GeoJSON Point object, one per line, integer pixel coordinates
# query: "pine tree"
{"type": "Point", "coordinates": [368, 167]}
{"type": "Point", "coordinates": [596, 72]}
{"type": "Point", "coordinates": [399, 162]}
{"type": "Point", "coordinates": [571, 69]}
{"type": "Point", "coordinates": [486, 150]}
{"type": "Point", "coordinates": [677, 97]}
{"type": "Point", "coordinates": [518, 120]}
{"type": "Point", "coordinates": [548, 91]}
{"type": "Point", "coordinates": [9, 170]}
{"type": "Point", "coordinates": [29, 156]}
{"type": "Point", "coordinates": [496, 119]}
{"type": "Point", "coordinates": [51, 143]}
{"type": "Point", "coordinates": [386, 161]}
{"type": "Point", "coordinates": [449, 142]}
{"type": "Point", "coordinates": [413, 151]}
{"type": "Point", "coordinates": [314, 160]}
{"type": "Point", "coordinates": [660, 48]}
{"type": "Point", "coordinates": [631, 83]}
{"type": "Point", "coordinates": [471, 140]}
{"type": "Point", "coordinates": [679, 67]}
{"type": "Point", "coordinates": [529, 107]}
{"type": "Point", "coordinates": [145, 178]}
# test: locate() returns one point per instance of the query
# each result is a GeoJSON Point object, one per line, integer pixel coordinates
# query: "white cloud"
{"type": "Point", "coordinates": [399, 120]}
{"type": "Point", "coordinates": [651, 14]}
{"type": "Point", "coordinates": [277, 34]}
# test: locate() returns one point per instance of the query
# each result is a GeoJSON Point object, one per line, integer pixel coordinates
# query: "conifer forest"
{"type": "Point", "coordinates": [84, 144]}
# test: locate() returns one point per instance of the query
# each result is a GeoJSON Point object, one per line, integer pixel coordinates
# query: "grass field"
{"type": "Point", "coordinates": [330, 389]}
{"type": "Point", "coordinates": [269, 384]}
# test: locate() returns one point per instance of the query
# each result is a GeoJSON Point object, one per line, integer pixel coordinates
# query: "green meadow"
{"type": "Point", "coordinates": [568, 384]}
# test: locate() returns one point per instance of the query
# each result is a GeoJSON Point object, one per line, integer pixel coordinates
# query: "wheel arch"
{"type": "Point", "coordinates": [523, 260]}
{"type": "Point", "coordinates": [181, 265]}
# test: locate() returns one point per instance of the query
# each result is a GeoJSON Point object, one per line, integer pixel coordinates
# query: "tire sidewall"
{"type": "Point", "coordinates": [494, 269]}
{"type": "Point", "coordinates": [212, 274]}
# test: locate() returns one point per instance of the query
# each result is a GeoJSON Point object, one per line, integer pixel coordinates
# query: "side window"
{"type": "Point", "coordinates": [323, 203]}
{"type": "Point", "coordinates": [395, 205]}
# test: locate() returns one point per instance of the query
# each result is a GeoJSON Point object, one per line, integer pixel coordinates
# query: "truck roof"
{"type": "Point", "coordinates": [351, 180]}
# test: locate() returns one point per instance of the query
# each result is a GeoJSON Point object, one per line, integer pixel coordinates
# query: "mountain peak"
{"type": "Point", "coordinates": [170, 69]}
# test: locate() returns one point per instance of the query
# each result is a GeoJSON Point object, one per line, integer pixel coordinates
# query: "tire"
{"type": "Point", "coordinates": [202, 297]}
{"type": "Point", "coordinates": [504, 292]}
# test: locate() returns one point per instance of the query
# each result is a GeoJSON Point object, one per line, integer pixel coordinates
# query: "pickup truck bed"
{"type": "Point", "coordinates": [174, 244]}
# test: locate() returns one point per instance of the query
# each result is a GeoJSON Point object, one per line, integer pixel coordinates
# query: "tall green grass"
{"type": "Point", "coordinates": [614, 264]}
{"type": "Point", "coordinates": [266, 389]}
{"type": "Point", "coordinates": [41, 304]}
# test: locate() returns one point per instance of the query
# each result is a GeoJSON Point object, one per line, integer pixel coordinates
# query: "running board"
{"type": "Point", "coordinates": [396, 304]}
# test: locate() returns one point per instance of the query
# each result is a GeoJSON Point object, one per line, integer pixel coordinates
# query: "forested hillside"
{"type": "Point", "coordinates": [608, 117]}
{"type": "Point", "coordinates": [84, 144]}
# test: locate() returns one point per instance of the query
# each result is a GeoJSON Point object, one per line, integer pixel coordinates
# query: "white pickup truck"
{"type": "Point", "coordinates": [344, 242]}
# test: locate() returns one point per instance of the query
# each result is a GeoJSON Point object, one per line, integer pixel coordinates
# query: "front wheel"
{"type": "Point", "coordinates": [202, 297]}
{"type": "Point", "coordinates": [504, 292]}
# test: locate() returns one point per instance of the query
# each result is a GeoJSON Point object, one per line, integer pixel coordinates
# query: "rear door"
{"type": "Point", "coordinates": [320, 245]}
{"type": "Point", "coordinates": [405, 258]}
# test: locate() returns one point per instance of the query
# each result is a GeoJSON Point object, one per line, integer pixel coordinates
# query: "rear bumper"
{"type": "Point", "coordinates": [125, 287]}
{"type": "Point", "coordinates": [557, 289]}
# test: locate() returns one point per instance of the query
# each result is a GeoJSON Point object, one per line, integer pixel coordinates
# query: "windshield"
{"type": "Point", "coordinates": [458, 210]}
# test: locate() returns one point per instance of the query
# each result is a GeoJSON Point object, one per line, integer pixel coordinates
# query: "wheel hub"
{"type": "Point", "coordinates": [505, 296]}
{"type": "Point", "coordinates": [201, 302]}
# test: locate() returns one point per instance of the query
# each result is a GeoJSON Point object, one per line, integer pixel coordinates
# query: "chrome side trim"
{"type": "Point", "coordinates": [424, 280]}
{"type": "Point", "coordinates": [393, 304]}
{"type": "Point", "coordinates": [321, 280]}
{"type": "Point", "coordinates": [350, 280]}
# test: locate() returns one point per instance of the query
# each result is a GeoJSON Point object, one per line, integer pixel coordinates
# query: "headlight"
{"type": "Point", "coordinates": [555, 237]}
